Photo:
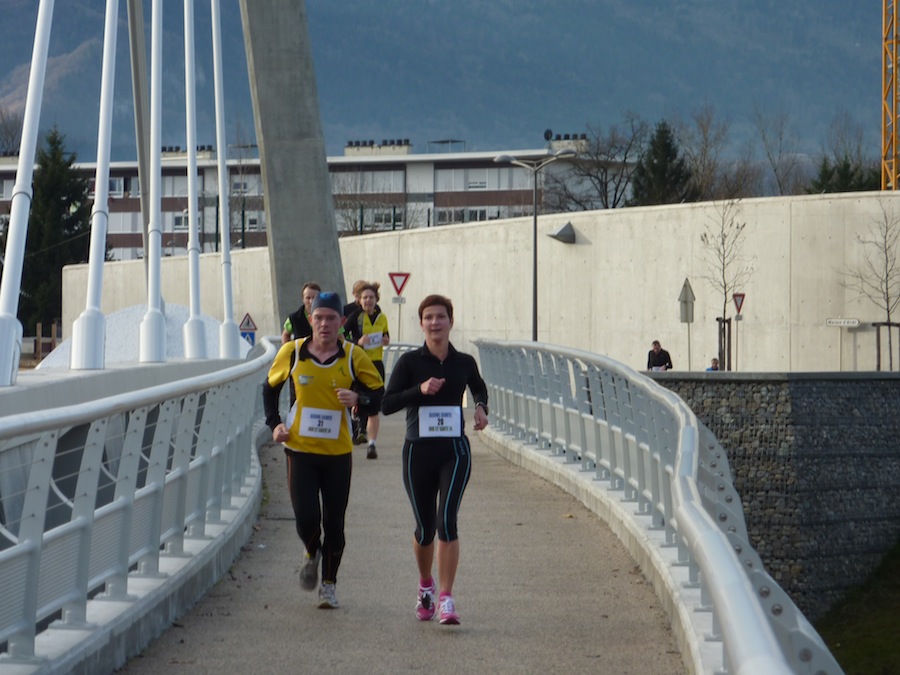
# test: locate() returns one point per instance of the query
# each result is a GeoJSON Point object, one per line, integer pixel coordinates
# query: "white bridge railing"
{"type": "Point", "coordinates": [665, 479]}
{"type": "Point", "coordinates": [102, 502]}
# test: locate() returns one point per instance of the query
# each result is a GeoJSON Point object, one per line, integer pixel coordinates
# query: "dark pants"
{"type": "Point", "coordinates": [435, 475]}
{"type": "Point", "coordinates": [311, 477]}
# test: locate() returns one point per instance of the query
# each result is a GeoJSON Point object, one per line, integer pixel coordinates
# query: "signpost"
{"type": "Point", "coordinates": [399, 279]}
{"type": "Point", "coordinates": [686, 304]}
{"type": "Point", "coordinates": [248, 329]}
{"type": "Point", "coordinates": [738, 303]}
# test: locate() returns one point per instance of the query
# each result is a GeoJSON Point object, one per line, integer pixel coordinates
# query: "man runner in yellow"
{"type": "Point", "coordinates": [316, 434]}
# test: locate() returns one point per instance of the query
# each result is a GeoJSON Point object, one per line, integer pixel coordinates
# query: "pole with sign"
{"type": "Point", "coordinates": [738, 303]}
{"type": "Point", "coordinates": [686, 304]}
{"type": "Point", "coordinates": [398, 280]}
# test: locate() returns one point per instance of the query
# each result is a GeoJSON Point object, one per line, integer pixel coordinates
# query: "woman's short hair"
{"type": "Point", "coordinates": [434, 299]}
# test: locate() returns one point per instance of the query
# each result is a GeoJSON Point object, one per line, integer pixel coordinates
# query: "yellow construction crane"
{"type": "Point", "coordinates": [889, 145]}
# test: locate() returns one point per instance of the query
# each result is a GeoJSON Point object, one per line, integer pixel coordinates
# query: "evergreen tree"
{"type": "Point", "coordinates": [662, 176]}
{"type": "Point", "coordinates": [845, 175]}
{"type": "Point", "coordinates": [58, 226]}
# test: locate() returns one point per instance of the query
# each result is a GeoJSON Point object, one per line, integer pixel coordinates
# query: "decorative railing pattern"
{"type": "Point", "coordinates": [93, 496]}
{"type": "Point", "coordinates": [666, 473]}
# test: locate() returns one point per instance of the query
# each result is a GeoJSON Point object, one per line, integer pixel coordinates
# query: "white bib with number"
{"type": "Point", "coordinates": [440, 421]}
{"type": "Point", "coordinates": [374, 340]}
{"type": "Point", "coordinates": [319, 423]}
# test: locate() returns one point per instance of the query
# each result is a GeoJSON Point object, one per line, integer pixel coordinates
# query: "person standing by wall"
{"type": "Point", "coordinates": [297, 324]}
{"type": "Point", "coordinates": [430, 382]}
{"type": "Point", "coordinates": [368, 328]}
{"type": "Point", "coordinates": [328, 376]}
{"type": "Point", "coordinates": [658, 358]}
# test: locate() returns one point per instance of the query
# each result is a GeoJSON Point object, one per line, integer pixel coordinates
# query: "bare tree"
{"type": "Point", "coordinates": [360, 206]}
{"type": "Point", "coordinates": [601, 175]}
{"type": "Point", "coordinates": [780, 147]}
{"type": "Point", "coordinates": [727, 269]}
{"type": "Point", "coordinates": [741, 177]}
{"type": "Point", "coordinates": [877, 277]}
{"type": "Point", "coordinates": [702, 143]}
{"type": "Point", "coordinates": [846, 139]}
{"type": "Point", "coordinates": [10, 130]}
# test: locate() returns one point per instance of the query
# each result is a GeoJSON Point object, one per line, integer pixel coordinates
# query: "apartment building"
{"type": "Point", "coordinates": [375, 187]}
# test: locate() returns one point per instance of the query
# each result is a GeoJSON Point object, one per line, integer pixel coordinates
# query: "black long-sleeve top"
{"type": "Point", "coordinates": [413, 368]}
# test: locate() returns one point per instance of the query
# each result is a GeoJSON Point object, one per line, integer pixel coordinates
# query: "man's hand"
{"type": "Point", "coordinates": [347, 397]}
{"type": "Point", "coordinates": [280, 434]}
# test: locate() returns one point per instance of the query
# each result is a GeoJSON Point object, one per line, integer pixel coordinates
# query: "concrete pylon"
{"type": "Point", "coordinates": [303, 242]}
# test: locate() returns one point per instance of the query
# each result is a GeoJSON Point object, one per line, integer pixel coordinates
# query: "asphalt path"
{"type": "Point", "coordinates": [543, 586]}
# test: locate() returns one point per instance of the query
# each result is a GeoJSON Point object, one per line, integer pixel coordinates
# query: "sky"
{"type": "Point", "coordinates": [493, 74]}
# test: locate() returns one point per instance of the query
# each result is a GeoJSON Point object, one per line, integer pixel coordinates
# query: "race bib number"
{"type": "Point", "coordinates": [438, 421]}
{"type": "Point", "coordinates": [374, 340]}
{"type": "Point", "coordinates": [318, 423]}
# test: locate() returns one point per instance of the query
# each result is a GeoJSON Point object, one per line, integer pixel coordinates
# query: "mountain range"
{"type": "Point", "coordinates": [492, 73]}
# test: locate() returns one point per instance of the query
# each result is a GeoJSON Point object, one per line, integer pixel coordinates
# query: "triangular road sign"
{"type": "Point", "coordinates": [399, 280]}
{"type": "Point", "coordinates": [739, 301]}
{"type": "Point", "coordinates": [247, 324]}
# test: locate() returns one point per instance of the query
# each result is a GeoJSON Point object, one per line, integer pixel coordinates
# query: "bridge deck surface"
{"type": "Point", "coordinates": [543, 586]}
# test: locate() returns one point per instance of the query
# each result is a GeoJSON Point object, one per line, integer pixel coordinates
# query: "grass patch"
{"type": "Point", "coordinates": [863, 631]}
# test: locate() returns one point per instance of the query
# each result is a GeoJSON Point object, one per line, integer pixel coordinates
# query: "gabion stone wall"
{"type": "Point", "coordinates": [816, 460]}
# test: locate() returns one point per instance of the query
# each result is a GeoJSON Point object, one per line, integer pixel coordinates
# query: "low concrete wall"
{"type": "Point", "coordinates": [816, 460]}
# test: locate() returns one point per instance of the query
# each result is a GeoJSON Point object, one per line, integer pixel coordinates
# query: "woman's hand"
{"type": "Point", "coordinates": [432, 385]}
{"type": "Point", "coordinates": [481, 420]}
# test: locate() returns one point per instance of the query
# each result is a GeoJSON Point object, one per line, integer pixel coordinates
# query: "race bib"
{"type": "Point", "coordinates": [374, 340]}
{"type": "Point", "coordinates": [318, 423]}
{"type": "Point", "coordinates": [440, 421]}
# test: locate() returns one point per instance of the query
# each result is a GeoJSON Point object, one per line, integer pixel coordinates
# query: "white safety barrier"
{"type": "Point", "coordinates": [635, 453]}
{"type": "Point", "coordinates": [110, 508]}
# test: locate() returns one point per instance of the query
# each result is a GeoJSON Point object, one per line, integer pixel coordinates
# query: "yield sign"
{"type": "Point", "coordinates": [399, 280]}
{"type": "Point", "coordinates": [739, 301]}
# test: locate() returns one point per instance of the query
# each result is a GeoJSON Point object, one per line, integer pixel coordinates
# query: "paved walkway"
{"type": "Point", "coordinates": [543, 586]}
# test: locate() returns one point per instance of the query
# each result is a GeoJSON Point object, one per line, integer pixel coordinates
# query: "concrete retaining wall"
{"type": "Point", "coordinates": [816, 461]}
{"type": "Point", "coordinates": [611, 292]}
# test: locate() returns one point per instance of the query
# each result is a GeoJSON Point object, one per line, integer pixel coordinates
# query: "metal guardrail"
{"type": "Point", "coordinates": [618, 428]}
{"type": "Point", "coordinates": [94, 496]}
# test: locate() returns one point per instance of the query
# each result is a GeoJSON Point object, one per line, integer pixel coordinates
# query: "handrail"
{"type": "Point", "coordinates": [601, 416]}
{"type": "Point", "coordinates": [102, 495]}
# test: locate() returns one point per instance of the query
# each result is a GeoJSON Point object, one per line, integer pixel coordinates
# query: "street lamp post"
{"type": "Point", "coordinates": [534, 166]}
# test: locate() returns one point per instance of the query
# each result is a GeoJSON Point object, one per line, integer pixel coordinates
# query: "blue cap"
{"type": "Point", "coordinates": [328, 300]}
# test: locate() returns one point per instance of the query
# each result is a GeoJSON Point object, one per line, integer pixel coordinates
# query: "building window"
{"type": "Point", "coordinates": [477, 179]}
{"type": "Point", "coordinates": [239, 187]}
{"type": "Point", "coordinates": [181, 221]}
{"type": "Point", "coordinates": [116, 186]}
{"type": "Point", "coordinates": [388, 218]}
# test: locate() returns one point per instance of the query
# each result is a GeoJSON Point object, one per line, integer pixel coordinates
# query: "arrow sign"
{"type": "Point", "coordinates": [399, 280]}
{"type": "Point", "coordinates": [738, 301]}
{"type": "Point", "coordinates": [686, 299]}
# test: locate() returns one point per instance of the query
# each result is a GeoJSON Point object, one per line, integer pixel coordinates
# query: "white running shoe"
{"type": "Point", "coordinates": [327, 596]}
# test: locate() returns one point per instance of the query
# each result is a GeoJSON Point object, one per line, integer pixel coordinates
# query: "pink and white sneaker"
{"type": "Point", "coordinates": [425, 603]}
{"type": "Point", "coordinates": [449, 617]}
